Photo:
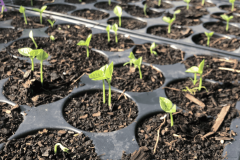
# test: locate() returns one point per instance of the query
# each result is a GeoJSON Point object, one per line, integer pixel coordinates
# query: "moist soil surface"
{"type": "Point", "coordinates": [138, 12]}
{"type": "Point", "coordinates": [214, 98]}
{"type": "Point", "coordinates": [9, 15]}
{"type": "Point", "coordinates": [88, 112]}
{"type": "Point", "coordinates": [193, 12]}
{"type": "Point", "coordinates": [218, 42]}
{"type": "Point", "coordinates": [106, 6]}
{"type": "Point", "coordinates": [7, 34]}
{"type": "Point", "coordinates": [83, 1]}
{"type": "Point", "coordinates": [236, 19]}
{"type": "Point", "coordinates": [229, 8]}
{"type": "Point", "coordinates": [100, 42]}
{"type": "Point", "coordinates": [128, 23]}
{"type": "Point", "coordinates": [211, 67]}
{"type": "Point", "coordinates": [32, 22]}
{"type": "Point", "coordinates": [61, 8]}
{"type": "Point", "coordinates": [183, 21]}
{"type": "Point", "coordinates": [91, 14]}
{"type": "Point", "coordinates": [41, 146]}
{"type": "Point", "coordinates": [129, 80]}
{"type": "Point", "coordinates": [36, 3]}
{"type": "Point", "coordinates": [154, 4]}
{"type": "Point", "coordinates": [220, 27]}
{"type": "Point", "coordinates": [176, 33]}
{"type": "Point", "coordinates": [10, 120]}
{"type": "Point", "coordinates": [183, 140]}
{"type": "Point", "coordinates": [166, 55]}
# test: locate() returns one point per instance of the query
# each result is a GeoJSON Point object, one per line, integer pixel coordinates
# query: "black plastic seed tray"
{"type": "Point", "coordinates": [111, 144]}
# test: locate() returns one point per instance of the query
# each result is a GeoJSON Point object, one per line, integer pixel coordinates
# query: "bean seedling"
{"type": "Point", "coordinates": [226, 18]}
{"type": "Point", "coordinates": [145, 9]}
{"type": "Point", "coordinates": [52, 38]}
{"type": "Point", "coordinates": [51, 22]}
{"type": "Point", "coordinates": [153, 46]}
{"type": "Point", "coordinates": [85, 43]}
{"type": "Point", "coordinates": [64, 149]}
{"type": "Point", "coordinates": [22, 10]}
{"type": "Point", "coordinates": [108, 28]}
{"type": "Point", "coordinates": [171, 20]}
{"type": "Point", "coordinates": [187, 1]}
{"type": "Point", "coordinates": [159, 3]}
{"type": "Point", "coordinates": [40, 11]}
{"type": "Point", "coordinates": [28, 52]}
{"type": "Point", "coordinates": [168, 107]}
{"type": "Point", "coordinates": [118, 11]}
{"type": "Point", "coordinates": [209, 35]}
{"type": "Point", "coordinates": [136, 62]}
{"type": "Point", "coordinates": [104, 73]}
{"type": "Point", "coordinates": [109, 2]}
{"type": "Point", "coordinates": [203, 1]}
{"type": "Point", "coordinates": [131, 61]}
{"type": "Point", "coordinates": [115, 29]}
{"type": "Point", "coordinates": [31, 36]}
{"type": "Point", "coordinates": [2, 9]}
{"type": "Point", "coordinates": [232, 1]}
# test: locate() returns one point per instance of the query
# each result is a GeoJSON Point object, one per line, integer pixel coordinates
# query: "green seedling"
{"type": "Point", "coordinates": [52, 38]}
{"type": "Point", "coordinates": [136, 62]}
{"type": "Point", "coordinates": [28, 52]}
{"type": "Point", "coordinates": [109, 2]}
{"type": "Point", "coordinates": [203, 2]}
{"type": "Point", "coordinates": [41, 55]}
{"type": "Point", "coordinates": [209, 35]}
{"type": "Point", "coordinates": [2, 9]}
{"type": "Point", "coordinates": [64, 149]}
{"type": "Point", "coordinates": [40, 11]}
{"type": "Point", "coordinates": [176, 12]}
{"type": "Point", "coordinates": [118, 11]}
{"type": "Point", "coordinates": [31, 36]}
{"type": "Point", "coordinates": [115, 29]}
{"type": "Point", "coordinates": [131, 61]}
{"type": "Point", "coordinates": [51, 22]}
{"type": "Point", "coordinates": [104, 73]}
{"type": "Point", "coordinates": [153, 46]}
{"type": "Point", "coordinates": [159, 3]}
{"type": "Point", "coordinates": [171, 20]}
{"type": "Point", "coordinates": [232, 1]}
{"type": "Point", "coordinates": [31, 2]}
{"type": "Point", "coordinates": [108, 28]}
{"type": "Point", "coordinates": [22, 10]}
{"type": "Point", "coordinates": [168, 107]}
{"type": "Point", "coordinates": [145, 9]}
{"type": "Point", "coordinates": [80, 1]}
{"type": "Point", "coordinates": [226, 18]}
{"type": "Point", "coordinates": [85, 43]}
{"type": "Point", "coordinates": [187, 1]}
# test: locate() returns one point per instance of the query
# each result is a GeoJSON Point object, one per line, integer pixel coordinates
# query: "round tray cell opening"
{"type": "Point", "coordinates": [106, 6]}
{"type": "Point", "coordinates": [137, 11]}
{"type": "Point", "coordinates": [154, 4]}
{"type": "Point", "coordinates": [128, 23]}
{"type": "Point", "coordinates": [90, 14]}
{"type": "Point", "coordinates": [61, 8]}
{"type": "Point", "coordinates": [34, 3]}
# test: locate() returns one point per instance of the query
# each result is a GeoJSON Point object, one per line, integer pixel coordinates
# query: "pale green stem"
{"type": "Point", "coordinates": [140, 72]}
{"type": "Point", "coordinates": [109, 2]}
{"type": "Point", "coordinates": [200, 83]}
{"type": "Point", "coordinates": [41, 17]}
{"type": "Point", "coordinates": [203, 1]}
{"type": "Point", "coordinates": [169, 28]}
{"type": "Point", "coordinates": [120, 21]}
{"type": "Point", "coordinates": [34, 43]}
{"type": "Point", "coordinates": [109, 94]}
{"type": "Point", "coordinates": [32, 64]}
{"type": "Point", "coordinates": [151, 50]}
{"type": "Point", "coordinates": [232, 6]}
{"type": "Point", "coordinates": [145, 12]}
{"type": "Point", "coordinates": [208, 41]}
{"type": "Point", "coordinates": [195, 78]}
{"type": "Point", "coordinates": [159, 3]}
{"type": "Point", "coordinates": [87, 52]}
{"type": "Point", "coordinates": [108, 36]}
{"type": "Point", "coordinates": [25, 19]}
{"type": "Point", "coordinates": [116, 38]}
{"type": "Point", "coordinates": [227, 25]}
{"type": "Point", "coordinates": [41, 70]}
{"type": "Point", "coordinates": [104, 100]}
{"type": "Point", "coordinates": [31, 2]}
{"type": "Point", "coordinates": [187, 6]}
{"type": "Point", "coordinates": [171, 116]}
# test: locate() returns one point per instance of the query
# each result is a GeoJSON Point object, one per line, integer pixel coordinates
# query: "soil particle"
{"type": "Point", "coordinates": [128, 23]}
{"type": "Point", "coordinates": [7, 34]}
{"type": "Point", "coordinates": [90, 14]}
{"type": "Point", "coordinates": [61, 8]}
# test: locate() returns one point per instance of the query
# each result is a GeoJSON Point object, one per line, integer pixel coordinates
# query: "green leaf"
{"type": "Point", "coordinates": [36, 9]}
{"type": "Point", "coordinates": [201, 66]}
{"type": "Point", "coordinates": [231, 1]}
{"type": "Point", "coordinates": [104, 68]}
{"type": "Point", "coordinates": [43, 8]}
{"type": "Point", "coordinates": [226, 18]}
{"type": "Point", "coordinates": [210, 34]}
{"type": "Point", "coordinates": [21, 9]}
{"type": "Point", "coordinates": [41, 54]}
{"type": "Point", "coordinates": [118, 11]}
{"type": "Point", "coordinates": [131, 56]}
{"type": "Point", "coordinates": [97, 75]}
{"type": "Point", "coordinates": [31, 34]}
{"type": "Point", "coordinates": [177, 11]}
{"type": "Point", "coordinates": [126, 63]}
{"type": "Point", "coordinates": [167, 19]}
{"type": "Point", "coordinates": [153, 45]}
{"type": "Point", "coordinates": [34, 53]}
{"type": "Point", "coordinates": [109, 71]}
{"type": "Point", "coordinates": [108, 28]}
{"type": "Point", "coordinates": [25, 51]}
{"type": "Point", "coordinates": [193, 69]}
{"type": "Point", "coordinates": [138, 62]}
{"type": "Point", "coordinates": [165, 104]}
{"type": "Point", "coordinates": [82, 43]}
{"type": "Point", "coordinates": [173, 109]}
{"type": "Point", "coordinates": [187, 1]}
{"type": "Point", "coordinates": [88, 39]}
{"type": "Point", "coordinates": [115, 27]}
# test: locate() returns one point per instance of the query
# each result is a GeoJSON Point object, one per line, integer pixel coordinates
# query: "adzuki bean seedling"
{"type": "Point", "coordinates": [115, 29]}
{"type": "Point", "coordinates": [168, 107]}
{"type": "Point", "coordinates": [22, 10]}
{"type": "Point", "coordinates": [28, 52]}
{"type": "Point", "coordinates": [187, 1]}
{"type": "Point", "coordinates": [226, 18]}
{"type": "Point", "coordinates": [118, 11]}
{"type": "Point", "coordinates": [85, 43]}
{"type": "Point", "coordinates": [232, 1]}
{"type": "Point", "coordinates": [52, 38]}
{"type": "Point", "coordinates": [31, 36]}
{"type": "Point", "coordinates": [136, 62]}
{"type": "Point", "coordinates": [51, 22]}
{"type": "Point", "coordinates": [171, 20]}
{"type": "Point", "coordinates": [153, 46]}
{"type": "Point", "coordinates": [40, 11]}
{"type": "Point", "coordinates": [145, 9]}
{"type": "Point", "coordinates": [108, 28]}
{"type": "Point", "coordinates": [209, 35]}
{"type": "Point", "coordinates": [64, 149]}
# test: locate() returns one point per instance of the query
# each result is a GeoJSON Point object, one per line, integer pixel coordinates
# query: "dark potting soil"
{"type": "Point", "coordinates": [91, 14]}
{"type": "Point", "coordinates": [8, 34]}
{"type": "Point", "coordinates": [88, 112]}
{"type": "Point", "coordinates": [10, 120]}
{"type": "Point", "coordinates": [183, 140]}
{"type": "Point", "coordinates": [61, 8]}
{"type": "Point", "coordinates": [83, 1]}
{"type": "Point", "coordinates": [214, 98]}
{"type": "Point", "coordinates": [142, 154]}
{"type": "Point", "coordinates": [212, 70]}
{"type": "Point", "coordinates": [128, 1]}
{"type": "Point", "coordinates": [105, 5]}
{"type": "Point", "coordinates": [199, 3]}
{"type": "Point", "coordinates": [154, 4]}
{"type": "Point", "coordinates": [9, 15]}
{"type": "Point", "coordinates": [41, 146]}
{"type": "Point", "coordinates": [220, 27]}
{"type": "Point", "coordinates": [183, 21]}
{"type": "Point", "coordinates": [36, 3]}
{"type": "Point", "coordinates": [193, 12]}
{"type": "Point", "coordinates": [129, 80]}
{"type": "Point", "coordinates": [229, 8]}
{"type": "Point", "coordinates": [32, 22]}
{"type": "Point", "coordinates": [100, 42]}
{"type": "Point", "coordinates": [222, 43]}
{"type": "Point", "coordinates": [128, 23]}
{"type": "Point", "coordinates": [176, 33]}
{"type": "Point", "coordinates": [69, 31]}
{"type": "Point", "coordinates": [166, 55]}
{"type": "Point", "coordinates": [138, 12]}
{"type": "Point", "coordinates": [236, 19]}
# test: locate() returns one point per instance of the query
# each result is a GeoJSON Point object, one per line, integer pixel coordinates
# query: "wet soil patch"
{"type": "Point", "coordinates": [105, 5]}
{"type": "Point", "coordinates": [87, 112]}
{"type": "Point", "coordinates": [9, 15]}
{"type": "Point", "coordinates": [27, 3]}
{"type": "Point", "coordinates": [138, 12]}
{"type": "Point", "coordinates": [7, 34]}
{"type": "Point", "coordinates": [61, 8]}
{"type": "Point", "coordinates": [41, 146]}
{"type": "Point", "coordinates": [176, 32]}
{"type": "Point", "coordinates": [220, 27]}
{"type": "Point", "coordinates": [183, 21]}
{"type": "Point", "coordinates": [222, 43]}
{"type": "Point", "coordinates": [100, 42]}
{"type": "Point", "coordinates": [32, 22]}
{"type": "Point", "coordinates": [193, 12]}
{"type": "Point", "coordinates": [216, 97]}
{"type": "Point", "coordinates": [154, 4]}
{"type": "Point", "coordinates": [166, 55]}
{"type": "Point", "coordinates": [129, 80]}
{"type": "Point", "coordinates": [199, 3]}
{"type": "Point", "coordinates": [90, 14]}
{"type": "Point", "coordinates": [83, 1]}
{"type": "Point", "coordinates": [183, 139]}
{"type": "Point", "coordinates": [236, 19]}
{"type": "Point", "coordinates": [212, 70]}
{"type": "Point", "coordinates": [128, 23]}
{"type": "Point", "coordinates": [229, 8]}
{"type": "Point", "coordinates": [69, 31]}
{"type": "Point", "coordinates": [10, 120]}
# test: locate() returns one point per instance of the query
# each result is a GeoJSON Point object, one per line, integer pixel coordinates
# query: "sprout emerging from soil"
{"type": "Point", "coordinates": [170, 21]}
{"type": "Point", "coordinates": [80, 0]}
{"type": "Point", "coordinates": [28, 52]}
{"type": "Point", "coordinates": [203, 1]}
{"type": "Point", "coordinates": [31, 36]}
{"type": "Point", "coordinates": [2, 9]}
{"type": "Point", "coordinates": [187, 1]}
{"type": "Point", "coordinates": [52, 38]}
{"type": "Point", "coordinates": [104, 73]}
{"type": "Point", "coordinates": [64, 149]}
{"type": "Point", "coordinates": [168, 107]}
{"type": "Point", "coordinates": [145, 9]}
{"type": "Point", "coordinates": [108, 28]}
{"type": "Point", "coordinates": [31, 2]}
{"type": "Point", "coordinates": [85, 43]}
{"type": "Point", "coordinates": [51, 22]}
{"type": "Point", "coordinates": [153, 46]}
{"type": "Point", "coordinates": [115, 29]}
{"type": "Point", "coordinates": [136, 62]}
{"type": "Point", "coordinates": [40, 11]}
{"type": "Point", "coordinates": [118, 11]}
{"type": "Point", "coordinates": [232, 1]}
{"type": "Point", "coordinates": [159, 3]}
{"type": "Point", "coordinates": [109, 2]}
{"type": "Point", "coordinates": [209, 35]}
{"type": "Point", "coordinates": [226, 18]}
{"type": "Point", "coordinates": [22, 10]}
{"type": "Point", "coordinates": [131, 61]}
